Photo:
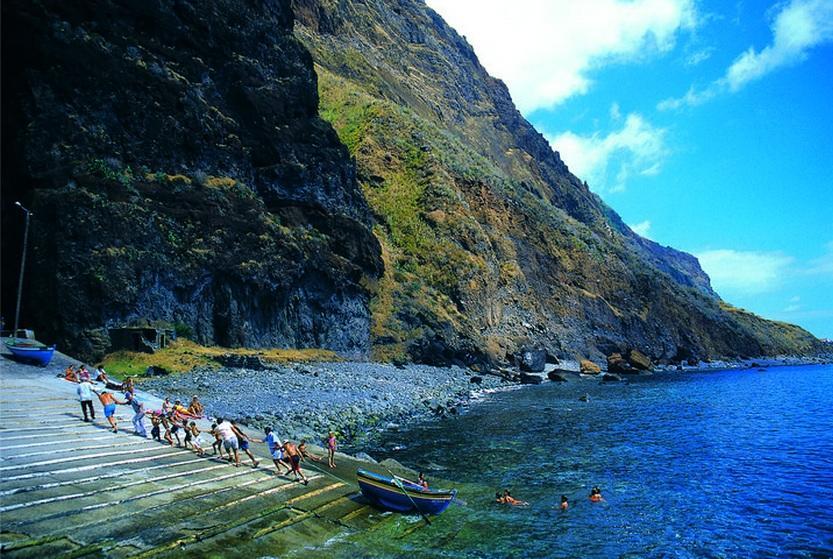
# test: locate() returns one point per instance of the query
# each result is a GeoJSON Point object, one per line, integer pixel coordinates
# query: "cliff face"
{"type": "Point", "coordinates": [178, 170]}
{"type": "Point", "coordinates": [489, 240]}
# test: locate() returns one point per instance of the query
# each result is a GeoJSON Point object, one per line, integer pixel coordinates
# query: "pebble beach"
{"type": "Point", "coordinates": [306, 401]}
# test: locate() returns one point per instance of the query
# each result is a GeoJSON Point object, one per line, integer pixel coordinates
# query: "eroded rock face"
{"type": "Point", "coordinates": [489, 237]}
{"type": "Point", "coordinates": [179, 172]}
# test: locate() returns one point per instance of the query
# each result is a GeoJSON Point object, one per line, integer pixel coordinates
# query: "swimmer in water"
{"type": "Point", "coordinates": [510, 500]}
{"type": "Point", "coordinates": [564, 503]}
{"type": "Point", "coordinates": [596, 495]}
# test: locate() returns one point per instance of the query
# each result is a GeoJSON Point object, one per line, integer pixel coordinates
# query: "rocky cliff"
{"type": "Point", "coordinates": [489, 241]}
{"type": "Point", "coordinates": [179, 172]}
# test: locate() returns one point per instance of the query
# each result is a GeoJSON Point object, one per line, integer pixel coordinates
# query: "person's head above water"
{"type": "Point", "coordinates": [267, 430]}
{"type": "Point", "coordinates": [564, 498]}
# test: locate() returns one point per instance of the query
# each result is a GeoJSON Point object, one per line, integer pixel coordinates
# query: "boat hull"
{"type": "Point", "coordinates": [35, 355]}
{"type": "Point", "coordinates": [386, 494]}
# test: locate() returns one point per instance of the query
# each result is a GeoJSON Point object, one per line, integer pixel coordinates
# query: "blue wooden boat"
{"type": "Point", "coordinates": [401, 495]}
{"type": "Point", "coordinates": [31, 352]}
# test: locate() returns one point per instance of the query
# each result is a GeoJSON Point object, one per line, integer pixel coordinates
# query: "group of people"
{"type": "Point", "coordinates": [225, 438]}
{"type": "Point", "coordinates": [506, 498]}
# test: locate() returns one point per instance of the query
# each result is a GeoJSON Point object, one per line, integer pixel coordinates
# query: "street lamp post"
{"type": "Point", "coordinates": [22, 267]}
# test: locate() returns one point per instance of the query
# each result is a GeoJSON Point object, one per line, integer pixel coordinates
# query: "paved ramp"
{"type": "Point", "coordinates": [75, 489]}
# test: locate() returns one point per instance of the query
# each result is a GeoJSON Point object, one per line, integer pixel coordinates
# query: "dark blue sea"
{"type": "Point", "coordinates": [716, 464]}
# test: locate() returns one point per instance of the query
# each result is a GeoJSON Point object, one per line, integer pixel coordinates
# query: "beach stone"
{"type": "Point", "coordinates": [618, 364]}
{"type": "Point", "coordinates": [552, 359]}
{"type": "Point", "coordinates": [611, 377]}
{"type": "Point", "coordinates": [530, 379]}
{"type": "Point", "coordinates": [556, 376]}
{"type": "Point", "coordinates": [476, 380]}
{"type": "Point", "coordinates": [587, 367]}
{"type": "Point", "coordinates": [639, 360]}
{"type": "Point", "coordinates": [531, 360]}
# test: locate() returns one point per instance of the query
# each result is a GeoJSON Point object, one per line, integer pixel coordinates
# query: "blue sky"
{"type": "Point", "coordinates": [707, 125]}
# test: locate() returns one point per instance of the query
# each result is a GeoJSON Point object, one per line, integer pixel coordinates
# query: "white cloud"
{"type": "Point", "coordinates": [548, 48]}
{"type": "Point", "coordinates": [700, 56]}
{"type": "Point", "coordinates": [735, 272]}
{"type": "Point", "coordinates": [607, 162]}
{"type": "Point", "coordinates": [642, 228]}
{"type": "Point", "coordinates": [693, 97]}
{"type": "Point", "coordinates": [798, 27]}
{"type": "Point", "coordinates": [823, 265]}
{"type": "Point", "coordinates": [793, 305]}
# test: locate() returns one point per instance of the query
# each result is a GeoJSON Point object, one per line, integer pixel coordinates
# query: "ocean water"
{"type": "Point", "coordinates": [718, 464]}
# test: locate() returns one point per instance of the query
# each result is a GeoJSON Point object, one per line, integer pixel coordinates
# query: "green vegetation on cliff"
{"type": "Point", "coordinates": [183, 355]}
{"type": "Point", "coordinates": [488, 240]}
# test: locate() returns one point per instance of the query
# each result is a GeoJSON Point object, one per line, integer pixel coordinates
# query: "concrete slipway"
{"type": "Point", "coordinates": [75, 489]}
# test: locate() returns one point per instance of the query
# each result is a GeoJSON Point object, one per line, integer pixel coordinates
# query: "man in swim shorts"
{"type": "Point", "coordinates": [295, 461]}
{"type": "Point", "coordinates": [109, 402]}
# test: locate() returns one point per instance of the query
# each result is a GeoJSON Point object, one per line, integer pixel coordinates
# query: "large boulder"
{"type": "Point", "coordinates": [531, 360]}
{"type": "Point", "coordinates": [587, 367]}
{"type": "Point", "coordinates": [557, 376]}
{"type": "Point", "coordinates": [618, 364]}
{"type": "Point", "coordinates": [639, 360]}
{"type": "Point", "coordinates": [531, 379]}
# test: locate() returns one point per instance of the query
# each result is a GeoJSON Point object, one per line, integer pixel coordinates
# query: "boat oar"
{"type": "Point", "coordinates": [402, 488]}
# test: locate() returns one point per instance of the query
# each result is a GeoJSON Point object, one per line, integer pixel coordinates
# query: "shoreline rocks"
{"type": "Point", "coordinates": [306, 401]}
{"type": "Point", "coordinates": [587, 367]}
{"type": "Point", "coordinates": [531, 360]}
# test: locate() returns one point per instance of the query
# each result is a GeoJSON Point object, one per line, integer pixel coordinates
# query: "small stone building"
{"type": "Point", "coordinates": [144, 339]}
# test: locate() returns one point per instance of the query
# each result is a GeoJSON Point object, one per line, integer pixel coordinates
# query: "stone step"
{"type": "Point", "coordinates": [264, 519]}
{"type": "Point", "coordinates": [99, 458]}
{"type": "Point", "coordinates": [64, 417]}
{"type": "Point", "coordinates": [161, 518]}
{"type": "Point", "coordinates": [85, 468]}
{"type": "Point", "coordinates": [118, 502]}
{"type": "Point", "coordinates": [18, 446]}
{"type": "Point", "coordinates": [34, 489]}
{"type": "Point", "coordinates": [67, 493]}
{"type": "Point", "coordinates": [68, 447]}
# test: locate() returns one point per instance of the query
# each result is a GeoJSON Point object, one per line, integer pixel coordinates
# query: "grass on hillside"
{"type": "Point", "coordinates": [776, 337]}
{"type": "Point", "coordinates": [183, 355]}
